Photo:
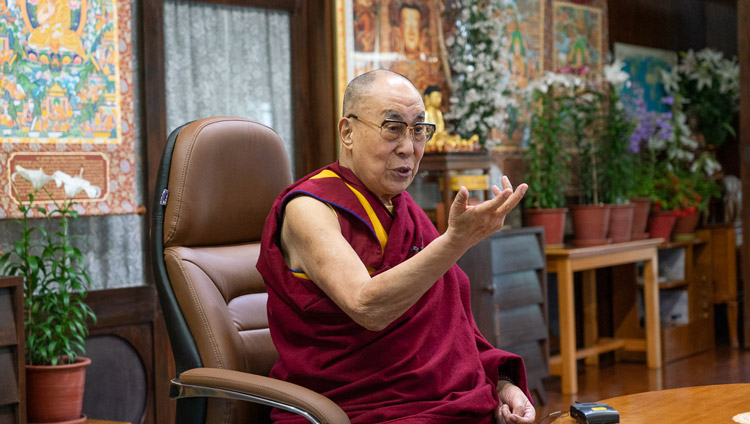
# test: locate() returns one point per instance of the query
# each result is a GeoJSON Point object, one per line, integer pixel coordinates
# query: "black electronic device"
{"type": "Point", "coordinates": [594, 413]}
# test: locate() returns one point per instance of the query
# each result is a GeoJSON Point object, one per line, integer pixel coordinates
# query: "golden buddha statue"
{"type": "Point", "coordinates": [442, 141]}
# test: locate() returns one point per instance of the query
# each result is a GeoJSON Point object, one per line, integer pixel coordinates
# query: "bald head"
{"type": "Point", "coordinates": [360, 88]}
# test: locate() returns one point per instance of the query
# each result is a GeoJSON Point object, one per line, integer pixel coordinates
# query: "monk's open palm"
{"type": "Point", "coordinates": [471, 224]}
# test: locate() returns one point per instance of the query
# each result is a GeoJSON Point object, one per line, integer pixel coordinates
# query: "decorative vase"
{"type": "Point", "coordinates": [661, 223]}
{"type": "Point", "coordinates": [684, 226]}
{"type": "Point", "coordinates": [641, 209]}
{"type": "Point", "coordinates": [553, 221]}
{"type": "Point", "coordinates": [590, 225]}
{"type": "Point", "coordinates": [621, 222]}
{"type": "Point", "coordinates": [54, 393]}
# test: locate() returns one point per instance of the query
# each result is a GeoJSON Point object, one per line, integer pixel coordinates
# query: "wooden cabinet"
{"type": "Point", "coordinates": [722, 239]}
{"type": "Point", "coordinates": [12, 373]}
{"type": "Point", "coordinates": [694, 286]}
{"type": "Point", "coordinates": [508, 297]}
{"type": "Point", "coordinates": [685, 299]}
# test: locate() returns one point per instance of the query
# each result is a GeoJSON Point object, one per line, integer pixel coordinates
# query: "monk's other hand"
{"type": "Point", "coordinates": [472, 223]}
{"type": "Point", "coordinates": [514, 406]}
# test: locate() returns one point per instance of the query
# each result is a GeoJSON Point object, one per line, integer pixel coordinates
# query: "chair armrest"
{"type": "Point", "coordinates": [265, 390]}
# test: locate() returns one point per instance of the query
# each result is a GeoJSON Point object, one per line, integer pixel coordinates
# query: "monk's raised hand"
{"type": "Point", "coordinates": [470, 224]}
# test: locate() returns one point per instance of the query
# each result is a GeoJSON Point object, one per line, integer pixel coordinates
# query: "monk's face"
{"type": "Point", "coordinates": [410, 19]}
{"type": "Point", "coordinates": [386, 167]}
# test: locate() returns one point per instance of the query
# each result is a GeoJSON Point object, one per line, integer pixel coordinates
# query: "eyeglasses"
{"type": "Point", "coordinates": [392, 130]}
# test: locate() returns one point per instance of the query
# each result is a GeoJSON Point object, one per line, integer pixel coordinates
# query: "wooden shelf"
{"type": "Point", "coordinates": [669, 284]}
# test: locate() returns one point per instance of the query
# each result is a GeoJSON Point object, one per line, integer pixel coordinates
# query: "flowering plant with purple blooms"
{"type": "Point", "coordinates": [669, 164]}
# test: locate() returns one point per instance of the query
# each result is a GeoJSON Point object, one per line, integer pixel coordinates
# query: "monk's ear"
{"type": "Point", "coordinates": [346, 132]}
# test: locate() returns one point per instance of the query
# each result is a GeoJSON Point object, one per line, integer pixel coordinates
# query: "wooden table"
{"type": "Point", "coordinates": [701, 404]}
{"type": "Point", "coordinates": [564, 262]}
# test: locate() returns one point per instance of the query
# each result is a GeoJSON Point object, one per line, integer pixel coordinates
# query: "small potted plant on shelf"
{"type": "Point", "coordinates": [55, 287]}
{"type": "Point", "coordinates": [547, 161]}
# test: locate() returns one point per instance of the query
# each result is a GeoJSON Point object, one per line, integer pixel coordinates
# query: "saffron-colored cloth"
{"type": "Point", "coordinates": [431, 365]}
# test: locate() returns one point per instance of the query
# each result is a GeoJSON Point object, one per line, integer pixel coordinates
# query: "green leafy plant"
{"type": "Point", "coordinates": [55, 278]}
{"type": "Point", "coordinates": [710, 83]}
{"type": "Point", "coordinates": [547, 161]}
{"type": "Point", "coordinates": [618, 170]}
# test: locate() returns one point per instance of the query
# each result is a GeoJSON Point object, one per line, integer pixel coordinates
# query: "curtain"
{"type": "Point", "coordinates": [228, 60]}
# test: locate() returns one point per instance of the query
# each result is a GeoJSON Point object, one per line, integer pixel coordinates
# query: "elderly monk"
{"type": "Point", "coordinates": [365, 302]}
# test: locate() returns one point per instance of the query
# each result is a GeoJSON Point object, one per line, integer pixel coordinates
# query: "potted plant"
{"type": "Point", "coordinates": [711, 84]}
{"type": "Point", "coordinates": [618, 168]}
{"type": "Point", "coordinates": [547, 172]}
{"type": "Point", "coordinates": [583, 127]}
{"type": "Point", "coordinates": [55, 287]}
{"type": "Point", "coordinates": [695, 191]}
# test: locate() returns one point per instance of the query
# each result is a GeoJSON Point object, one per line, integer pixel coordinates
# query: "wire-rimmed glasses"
{"type": "Point", "coordinates": [392, 129]}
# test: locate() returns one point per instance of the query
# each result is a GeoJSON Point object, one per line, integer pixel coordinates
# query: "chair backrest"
{"type": "Point", "coordinates": [217, 181]}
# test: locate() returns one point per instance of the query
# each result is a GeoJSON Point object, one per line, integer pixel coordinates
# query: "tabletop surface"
{"type": "Point", "coordinates": [699, 404]}
{"type": "Point", "coordinates": [603, 249]}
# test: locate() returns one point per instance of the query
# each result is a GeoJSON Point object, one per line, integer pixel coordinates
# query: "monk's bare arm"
{"type": "Point", "coordinates": [312, 242]}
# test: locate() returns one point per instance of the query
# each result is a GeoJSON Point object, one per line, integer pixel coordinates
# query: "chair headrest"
{"type": "Point", "coordinates": [224, 176]}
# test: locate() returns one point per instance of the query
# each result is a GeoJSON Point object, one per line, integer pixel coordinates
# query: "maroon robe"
{"type": "Point", "coordinates": [431, 365]}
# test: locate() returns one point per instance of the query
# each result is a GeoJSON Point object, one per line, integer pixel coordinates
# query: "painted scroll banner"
{"type": "Point", "coordinates": [66, 98]}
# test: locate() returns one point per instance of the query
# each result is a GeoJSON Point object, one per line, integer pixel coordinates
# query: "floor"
{"type": "Point", "coordinates": [719, 366]}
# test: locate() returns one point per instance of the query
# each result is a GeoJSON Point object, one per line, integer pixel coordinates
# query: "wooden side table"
{"type": "Point", "coordinates": [564, 262]}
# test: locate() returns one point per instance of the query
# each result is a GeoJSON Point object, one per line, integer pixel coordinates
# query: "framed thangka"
{"type": "Point", "coordinates": [645, 65]}
{"type": "Point", "coordinates": [66, 99]}
{"type": "Point", "coordinates": [577, 37]}
{"type": "Point", "coordinates": [525, 26]}
{"type": "Point", "coordinates": [405, 36]}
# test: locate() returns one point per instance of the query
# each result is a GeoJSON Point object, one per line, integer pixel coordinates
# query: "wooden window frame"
{"type": "Point", "coordinates": [313, 108]}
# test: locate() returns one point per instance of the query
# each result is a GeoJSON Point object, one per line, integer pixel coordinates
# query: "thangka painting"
{"type": "Point", "coordinates": [526, 39]}
{"type": "Point", "coordinates": [66, 99]}
{"type": "Point", "coordinates": [577, 36]}
{"type": "Point", "coordinates": [403, 36]}
{"type": "Point", "coordinates": [645, 65]}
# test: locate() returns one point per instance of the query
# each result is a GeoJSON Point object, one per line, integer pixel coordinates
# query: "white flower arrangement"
{"type": "Point", "coordinates": [709, 87]}
{"type": "Point", "coordinates": [482, 89]}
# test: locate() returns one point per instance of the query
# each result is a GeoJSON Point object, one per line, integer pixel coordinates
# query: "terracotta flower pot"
{"type": "Point", "coordinates": [621, 222]}
{"type": "Point", "coordinates": [54, 394]}
{"type": "Point", "coordinates": [590, 224]}
{"type": "Point", "coordinates": [553, 221]}
{"type": "Point", "coordinates": [641, 209]}
{"type": "Point", "coordinates": [684, 226]}
{"type": "Point", "coordinates": [661, 223]}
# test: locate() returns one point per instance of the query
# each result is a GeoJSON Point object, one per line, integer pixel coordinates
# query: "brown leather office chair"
{"type": "Point", "coordinates": [217, 180]}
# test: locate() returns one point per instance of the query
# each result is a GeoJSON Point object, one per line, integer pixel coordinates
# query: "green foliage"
{"type": "Point", "coordinates": [711, 84]}
{"type": "Point", "coordinates": [55, 285]}
{"type": "Point", "coordinates": [547, 171]}
{"type": "Point", "coordinates": [618, 174]}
